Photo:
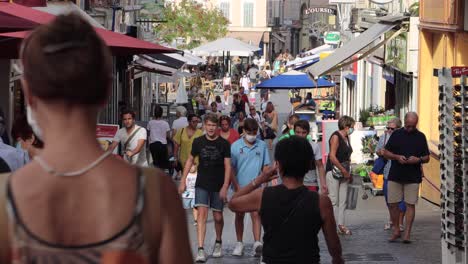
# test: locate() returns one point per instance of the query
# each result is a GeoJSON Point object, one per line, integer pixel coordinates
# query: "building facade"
{"type": "Point", "coordinates": [443, 43]}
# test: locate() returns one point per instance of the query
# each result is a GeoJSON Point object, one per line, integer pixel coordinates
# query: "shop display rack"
{"type": "Point", "coordinates": [453, 148]}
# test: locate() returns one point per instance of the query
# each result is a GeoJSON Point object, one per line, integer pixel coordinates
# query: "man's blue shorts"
{"type": "Point", "coordinates": [209, 199]}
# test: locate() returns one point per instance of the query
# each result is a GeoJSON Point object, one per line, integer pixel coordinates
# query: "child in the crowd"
{"type": "Point", "coordinates": [189, 195]}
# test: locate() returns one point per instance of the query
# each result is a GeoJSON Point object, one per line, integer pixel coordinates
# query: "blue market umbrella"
{"type": "Point", "coordinates": [294, 80]}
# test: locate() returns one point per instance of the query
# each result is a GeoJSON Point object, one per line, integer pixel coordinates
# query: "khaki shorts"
{"type": "Point", "coordinates": [408, 192]}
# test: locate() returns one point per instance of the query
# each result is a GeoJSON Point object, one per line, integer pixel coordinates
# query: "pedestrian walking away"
{"type": "Point", "coordinates": [291, 215]}
{"type": "Point", "coordinates": [311, 181]}
{"type": "Point", "coordinates": [26, 141]}
{"type": "Point", "coordinates": [132, 139]}
{"type": "Point", "coordinates": [124, 213]}
{"type": "Point", "coordinates": [407, 149]}
{"type": "Point", "coordinates": [249, 156]}
{"type": "Point", "coordinates": [188, 197]}
{"type": "Point", "coordinates": [159, 133]}
{"type": "Point", "coordinates": [214, 172]}
{"type": "Point", "coordinates": [338, 169]}
{"type": "Point", "coordinates": [271, 124]}
{"type": "Point", "coordinates": [392, 125]}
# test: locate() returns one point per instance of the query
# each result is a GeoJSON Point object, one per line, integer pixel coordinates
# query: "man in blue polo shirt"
{"type": "Point", "coordinates": [249, 156]}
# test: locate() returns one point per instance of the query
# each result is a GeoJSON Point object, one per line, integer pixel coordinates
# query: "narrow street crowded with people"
{"type": "Point", "coordinates": [226, 131]}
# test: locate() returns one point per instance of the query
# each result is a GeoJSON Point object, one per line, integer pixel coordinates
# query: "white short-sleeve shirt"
{"type": "Point", "coordinates": [158, 131]}
{"type": "Point", "coordinates": [179, 123]}
{"type": "Point", "coordinates": [310, 179]}
{"type": "Point", "coordinates": [122, 136]}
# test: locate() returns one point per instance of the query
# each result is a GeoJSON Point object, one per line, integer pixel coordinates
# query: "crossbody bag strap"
{"type": "Point", "coordinates": [152, 212]}
{"type": "Point", "coordinates": [130, 138]}
{"type": "Point", "coordinates": [5, 248]}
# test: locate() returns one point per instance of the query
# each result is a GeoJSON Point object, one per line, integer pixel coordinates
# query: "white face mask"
{"type": "Point", "coordinates": [250, 138]}
{"type": "Point", "coordinates": [199, 125]}
{"type": "Point", "coordinates": [33, 122]}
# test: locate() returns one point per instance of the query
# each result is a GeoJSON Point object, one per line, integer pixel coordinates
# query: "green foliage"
{"type": "Point", "coordinates": [414, 9]}
{"type": "Point", "coordinates": [364, 114]}
{"type": "Point", "coordinates": [369, 144]}
{"type": "Point", "coordinates": [191, 21]}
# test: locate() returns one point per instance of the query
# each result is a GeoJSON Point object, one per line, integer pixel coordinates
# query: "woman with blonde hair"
{"type": "Point", "coordinates": [338, 169]}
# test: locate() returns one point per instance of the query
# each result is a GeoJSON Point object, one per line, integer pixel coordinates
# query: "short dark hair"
{"type": "Point", "coordinates": [302, 124]}
{"type": "Point", "coordinates": [251, 125]}
{"type": "Point", "coordinates": [225, 118]}
{"type": "Point", "coordinates": [294, 154]}
{"type": "Point", "coordinates": [21, 129]}
{"type": "Point", "coordinates": [129, 112]}
{"type": "Point", "coordinates": [70, 46]}
{"type": "Point", "coordinates": [158, 111]}
{"type": "Point", "coordinates": [191, 116]}
{"type": "Point", "coordinates": [211, 117]}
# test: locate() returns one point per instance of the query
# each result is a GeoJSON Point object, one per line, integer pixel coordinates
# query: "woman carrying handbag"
{"type": "Point", "coordinates": [338, 170]}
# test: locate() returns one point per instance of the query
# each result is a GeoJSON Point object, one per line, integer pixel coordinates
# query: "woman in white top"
{"type": "Point", "coordinates": [245, 82]}
{"type": "Point", "coordinates": [159, 133]}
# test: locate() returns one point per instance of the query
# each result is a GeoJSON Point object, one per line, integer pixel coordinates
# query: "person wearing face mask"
{"type": "Point", "coordinates": [338, 170]}
{"type": "Point", "coordinates": [124, 213]}
{"type": "Point", "coordinates": [407, 149]}
{"type": "Point", "coordinates": [26, 140]}
{"type": "Point", "coordinates": [249, 157]}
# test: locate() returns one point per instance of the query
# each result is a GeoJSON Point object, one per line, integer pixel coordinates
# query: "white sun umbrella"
{"type": "Point", "coordinates": [232, 46]}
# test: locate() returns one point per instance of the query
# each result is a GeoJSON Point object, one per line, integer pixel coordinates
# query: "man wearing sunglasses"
{"type": "Point", "coordinates": [407, 149]}
{"type": "Point", "coordinates": [392, 125]}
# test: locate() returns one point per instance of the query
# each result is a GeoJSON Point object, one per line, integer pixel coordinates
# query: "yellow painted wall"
{"type": "Point", "coordinates": [437, 50]}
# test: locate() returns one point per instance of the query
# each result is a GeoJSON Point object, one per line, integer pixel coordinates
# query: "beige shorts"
{"type": "Point", "coordinates": [407, 192]}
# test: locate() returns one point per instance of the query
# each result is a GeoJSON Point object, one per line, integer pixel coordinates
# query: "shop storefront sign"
{"type": "Point", "coordinates": [105, 133]}
{"type": "Point", "coordinates": [459, 71]}
{"type": "Point", "coordinates": [326, 10]}
{"type": "Point", "coordinates": [333, 37]}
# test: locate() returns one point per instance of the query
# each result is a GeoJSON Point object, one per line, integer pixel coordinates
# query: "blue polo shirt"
{"type": "Point", "coordinates": [248, 161]}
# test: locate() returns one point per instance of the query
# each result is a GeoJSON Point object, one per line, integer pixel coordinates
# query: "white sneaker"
{"type": "Point", "coordinates": [217, 251]}
{"type": "Point", "coordinates": [258, 248]}
{"type": "Point", "coordinates": [201, 256]}
{"type": "Point", "coordinates": [238, 250]}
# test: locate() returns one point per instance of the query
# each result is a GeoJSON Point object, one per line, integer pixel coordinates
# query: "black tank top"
{"type": "Point", "coordinates": [344, 151]}
{"type": "Point", "coordinates": [291, 221]}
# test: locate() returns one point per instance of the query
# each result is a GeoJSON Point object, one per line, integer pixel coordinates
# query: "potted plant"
{"type": "Point", "coordinates": [369, 144]}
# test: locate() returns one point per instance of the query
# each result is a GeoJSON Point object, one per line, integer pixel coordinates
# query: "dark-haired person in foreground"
{"type": "Point", "coordinates": [291, 215]}
{"type": "Point", "coordinates": [75, 203]}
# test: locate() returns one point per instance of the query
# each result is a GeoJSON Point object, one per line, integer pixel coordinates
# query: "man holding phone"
{"type": "Point", "coordinates": [408, 148]}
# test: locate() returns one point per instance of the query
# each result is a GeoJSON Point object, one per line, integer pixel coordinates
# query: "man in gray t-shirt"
{"type": "Point", "coordinates": [302, 129]}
